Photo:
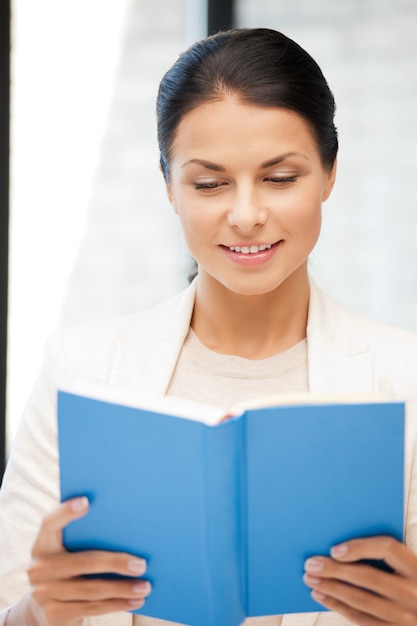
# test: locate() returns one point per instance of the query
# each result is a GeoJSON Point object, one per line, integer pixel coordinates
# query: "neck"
{"type": "Point", "coordinates": [254, 326]}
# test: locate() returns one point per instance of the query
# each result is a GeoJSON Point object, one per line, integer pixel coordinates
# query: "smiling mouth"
{"type": "Point", "coordinates": [251, 249]}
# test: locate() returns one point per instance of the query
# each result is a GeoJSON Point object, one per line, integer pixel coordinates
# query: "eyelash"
{"type": "Point", "coordinates": [275, 180]}
{"type": "Point", "coordinates": [282, 179]}
{"type": "Point", "coordinates": [199, 186]}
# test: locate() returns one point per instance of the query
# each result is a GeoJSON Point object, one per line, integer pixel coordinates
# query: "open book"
{"type": "Point", "coordinates": [226, 510]}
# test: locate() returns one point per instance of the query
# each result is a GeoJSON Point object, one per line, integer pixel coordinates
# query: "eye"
{"type": "Point", "coordinates": [209, 185]}
{"type": "Point", "coordinates": [281, 180]}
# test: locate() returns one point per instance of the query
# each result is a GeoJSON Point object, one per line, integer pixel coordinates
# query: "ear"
{"type": "Point", "coordinates": [168, 188]}
{"type": "Point", "coordinates": [170, 195]}
{"type": "Point", "coordinates": [329, 181]}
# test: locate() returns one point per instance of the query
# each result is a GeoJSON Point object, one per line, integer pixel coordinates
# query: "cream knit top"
{"type": "Point", "coordinates": [206, 376]}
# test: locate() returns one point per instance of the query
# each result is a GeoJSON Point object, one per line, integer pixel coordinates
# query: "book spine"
{"type": "Point", "coordinates": [224, 530]}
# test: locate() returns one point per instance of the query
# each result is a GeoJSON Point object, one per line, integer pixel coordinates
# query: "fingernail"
{"type": "Point", "coordinates": [79, 504]}
{"type": "Point", "coordinates": [318, 596]}
{"type": "Point", "coordinates": [314, 565]}
{"type": "Point", "coordinates": [311, 580]}
{"type": "Point", "coordinates": [339, 550]}
{"type": "Point", "coordinates": [138, 566]}
{"type": "Point", "coordinates": [144, 588]}
{"type": "Point", "coordinates": [136, 604]}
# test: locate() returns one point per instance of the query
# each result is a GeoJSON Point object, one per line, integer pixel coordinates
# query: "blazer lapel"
{"type": "Point", "coordinates": [339, 360]}
{"type": "Point", "coordinates": [147, 356]}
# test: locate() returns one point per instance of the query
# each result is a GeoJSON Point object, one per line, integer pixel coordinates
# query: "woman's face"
{"type": "Point", "coordinates": [247, 183]}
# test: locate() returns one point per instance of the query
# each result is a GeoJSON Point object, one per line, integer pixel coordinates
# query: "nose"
{"type": "Point", "coordinates": [246, 211]}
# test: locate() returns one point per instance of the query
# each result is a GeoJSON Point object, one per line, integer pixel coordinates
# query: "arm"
{"type": "Point", "coordinates": [60, 595]}
{"type": "Point", "coordinates": [30, 486]}
{"type": "Point", "coordinates": [29, 492]}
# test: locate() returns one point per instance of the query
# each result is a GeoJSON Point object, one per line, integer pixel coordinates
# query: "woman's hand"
{"type": "Point", "coordinates": [60, 595]}
{"type": "Point", "coordinates": [364, 594]}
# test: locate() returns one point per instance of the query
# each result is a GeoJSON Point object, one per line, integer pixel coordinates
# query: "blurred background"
{"type": "Point", "coordinates": [91, 231]}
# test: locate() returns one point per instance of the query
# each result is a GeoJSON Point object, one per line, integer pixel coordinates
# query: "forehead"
{"type": "Point", "coordinates": [229, 127]}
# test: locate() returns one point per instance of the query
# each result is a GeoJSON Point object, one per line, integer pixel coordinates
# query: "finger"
{"type": "Point", "coordinates": [353, 615]}
{"type": "Point", "coordinates": [92, 590]}
{"type": "Point", "coordinates": [392, 586]}
{"type": "Point", "coordinates": [56, 612]}
{"type": "Point", "coordinates": [394, 553]}
{"type": "Point", "coordinates": [49, 539]}
{"type": "Point", "coordinates": [67, 565]}
{"type": "Point", "coordinates": [361, 600]}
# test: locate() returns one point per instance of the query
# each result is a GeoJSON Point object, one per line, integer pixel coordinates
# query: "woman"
{"type": "Point", "coordinates": [248, 152]}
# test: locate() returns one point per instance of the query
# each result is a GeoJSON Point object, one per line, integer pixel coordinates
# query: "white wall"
{"type": "Point", "coordinates": [92, 234]}
{"type": "Point", "coordinates": [85, 180]}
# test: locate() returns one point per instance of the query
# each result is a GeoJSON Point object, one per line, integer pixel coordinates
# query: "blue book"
{"type": "Point", "coordinates": [226, 511]}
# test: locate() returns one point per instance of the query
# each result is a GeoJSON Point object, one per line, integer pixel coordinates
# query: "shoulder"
{"type": "Point", "coordinates": [381, 336]}
{"type": "Point", "coordinates": [385, 336]}
{"type": "Point", "coordinates": [92, 347]}
{"type": "Point", "coordinates": [394, 349]}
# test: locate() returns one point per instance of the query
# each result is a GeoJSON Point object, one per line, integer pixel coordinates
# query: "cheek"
{"type": "Point", "coordinates": [310, 230]}
{"type": "Point", "coordinates": [199, 218]}
{"type": "Point", "coordinates": [303, 225]}
{"type": "Point", "coordinates": [303, 215]}
{"type": "Point", "coordinates": [194, 228]}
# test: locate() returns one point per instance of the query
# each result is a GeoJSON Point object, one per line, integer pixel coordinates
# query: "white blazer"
{"type": "Point", "coordinates": [346, 353]}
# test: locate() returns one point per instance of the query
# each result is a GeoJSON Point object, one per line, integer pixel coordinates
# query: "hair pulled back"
{"type": "Point", "coordinates": [262, 67]}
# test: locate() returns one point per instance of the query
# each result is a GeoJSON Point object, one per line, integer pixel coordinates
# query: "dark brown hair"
{"type": "Point", "coordinates": [261, 66]}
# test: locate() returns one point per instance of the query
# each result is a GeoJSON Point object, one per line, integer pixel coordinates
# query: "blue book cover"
{"type": "Point", "coordinates": [227, 513]}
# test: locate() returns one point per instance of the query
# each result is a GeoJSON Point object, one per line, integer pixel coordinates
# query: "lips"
{"type": "Point", "coordinates": [252, 254]}
{"type": "Point", "coordinates": [250, 249]}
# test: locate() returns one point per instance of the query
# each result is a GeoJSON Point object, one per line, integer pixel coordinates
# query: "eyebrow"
{"type": "Point", "coordinates": [282, 158]}
{"type": "Point", "coordinates": [207, 164]}
{"type": "Point", "coordinates": [219, 168]}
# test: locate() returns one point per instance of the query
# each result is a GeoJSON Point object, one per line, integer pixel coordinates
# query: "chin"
{"type": "Point", "coordinates": [253, 288]}
{"type": "Point", "coordinates": [254, 284]}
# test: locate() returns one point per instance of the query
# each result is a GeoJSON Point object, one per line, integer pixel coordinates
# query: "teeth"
{"type": "Point", "coordinates": [250, 249]}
